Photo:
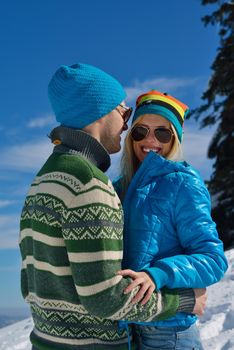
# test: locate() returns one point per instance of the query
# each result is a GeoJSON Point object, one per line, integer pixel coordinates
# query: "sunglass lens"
{"type": "Point", "coordinates": [139, 133]}
{"type": "Point", "coordinates": [163, 135]}
{"type": "Point", "coordinates": [127, 115]}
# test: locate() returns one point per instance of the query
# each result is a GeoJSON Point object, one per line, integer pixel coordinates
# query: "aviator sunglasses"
{"type": "Point", "coordinates": [163, 135]}
{"type": "Point", "coordinates": [126, 114]}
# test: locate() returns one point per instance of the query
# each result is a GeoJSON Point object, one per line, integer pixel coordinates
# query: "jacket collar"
{"type": "Point", "coordinates": [155, 165]}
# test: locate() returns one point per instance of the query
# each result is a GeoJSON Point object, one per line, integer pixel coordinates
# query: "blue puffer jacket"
{"type": "Point", "coordinates": [168, 229]}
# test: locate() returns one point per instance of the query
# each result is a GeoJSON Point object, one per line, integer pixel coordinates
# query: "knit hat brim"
{"type": "Point", "coordinates": [151, 109]}
{"type": "Point", "coordinates": [155, 102]}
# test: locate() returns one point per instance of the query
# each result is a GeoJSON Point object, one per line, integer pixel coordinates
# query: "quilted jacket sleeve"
{"type": "Point", "coordinates": [203, 261]}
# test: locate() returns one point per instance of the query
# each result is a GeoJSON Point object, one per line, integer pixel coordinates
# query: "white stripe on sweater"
{"type": "Point", "coordinates": [59, 176]}
{"type": "Point", "coordinates": [42, 237]}
{"type": "Point", "coordinates": [40, 265]}
{"type": "Point", "coordinates": [72, 182]}
{"type": "Point", "coordinates": [84, 341]}
{"type": "Point", "coordinates": [95, 196]}
{"type": "Point", "coordinates": [79, 200]}
{"type": "Point", "coordinates": [55, 304]}
{"type": "Point", "coordinates": [95, 256]}
{"type": "Point", "coordinates": [98, 287]}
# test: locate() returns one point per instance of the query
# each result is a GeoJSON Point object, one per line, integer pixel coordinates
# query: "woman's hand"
{"type": "Point", "coordinates": [142, 279]}
{"type": "Point", "coordinates": [200, 301]}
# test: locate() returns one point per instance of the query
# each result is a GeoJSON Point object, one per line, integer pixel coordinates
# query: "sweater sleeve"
{"type": "Point", "coordinates": [92, 228]}
{"type": "Point", "coordinates": [203, 261]}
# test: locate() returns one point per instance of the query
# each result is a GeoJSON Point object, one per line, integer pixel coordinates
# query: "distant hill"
{"type": "Point", "coordinates": [12, 315]}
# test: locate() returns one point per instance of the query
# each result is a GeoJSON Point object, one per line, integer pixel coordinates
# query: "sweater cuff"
{"type": "Point", "coordinates": [186, 300]}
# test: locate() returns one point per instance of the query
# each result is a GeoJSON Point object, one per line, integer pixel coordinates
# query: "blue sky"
{"type": "Point", "coordinates": [145, 44]}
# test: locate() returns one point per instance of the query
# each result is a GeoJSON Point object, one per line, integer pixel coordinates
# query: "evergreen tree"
{"type": "Point", "coordinates": [218, 109]}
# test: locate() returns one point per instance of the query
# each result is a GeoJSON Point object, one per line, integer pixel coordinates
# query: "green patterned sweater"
{"type": "Point", "coordinates": [71, 245]}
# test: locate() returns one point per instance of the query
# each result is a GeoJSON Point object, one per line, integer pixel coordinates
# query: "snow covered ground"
{"type": "Point", "coordinates": [216, 326]}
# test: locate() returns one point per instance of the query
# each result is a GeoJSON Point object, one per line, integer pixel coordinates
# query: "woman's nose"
{"type": "Point", "coordinates": [151, 137]}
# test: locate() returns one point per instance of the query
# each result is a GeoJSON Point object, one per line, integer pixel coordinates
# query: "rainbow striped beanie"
{"type": "Point", "coordinates": [81, 94]}
{"type": "Point", "coordinates": [155, 102]}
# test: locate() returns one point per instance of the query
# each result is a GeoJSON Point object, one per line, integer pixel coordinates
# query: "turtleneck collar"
{"type": "Point", "coordinates": [75, 141]}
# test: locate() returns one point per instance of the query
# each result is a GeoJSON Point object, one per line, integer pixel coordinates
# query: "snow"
{"type": "Point", "coordinates": [216, 326]}
{"type": "Point", "coordinates": [16, 336]}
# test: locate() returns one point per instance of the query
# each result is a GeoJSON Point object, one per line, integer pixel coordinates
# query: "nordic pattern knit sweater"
{"type": "Point", "coordinates": [71, 245]}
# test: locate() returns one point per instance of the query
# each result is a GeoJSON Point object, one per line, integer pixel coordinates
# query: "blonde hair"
{"type": "Point", "coordinates": [130, 163]}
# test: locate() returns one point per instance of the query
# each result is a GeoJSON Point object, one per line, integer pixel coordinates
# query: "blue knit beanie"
{"type": "Point", "coordinates": [81, 93]}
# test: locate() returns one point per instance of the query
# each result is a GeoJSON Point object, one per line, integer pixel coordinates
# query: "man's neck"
{"type": "Point", "coordinates": [75, 141]}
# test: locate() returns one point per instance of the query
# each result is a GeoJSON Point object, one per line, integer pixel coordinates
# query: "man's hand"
{"type": "Point", "coordinates": [141, 279]}
{"type": "Point", "coordinates": [201, 298]}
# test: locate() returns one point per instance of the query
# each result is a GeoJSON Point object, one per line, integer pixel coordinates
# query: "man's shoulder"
{"type": "Point", "coordinates": [75, 166]}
